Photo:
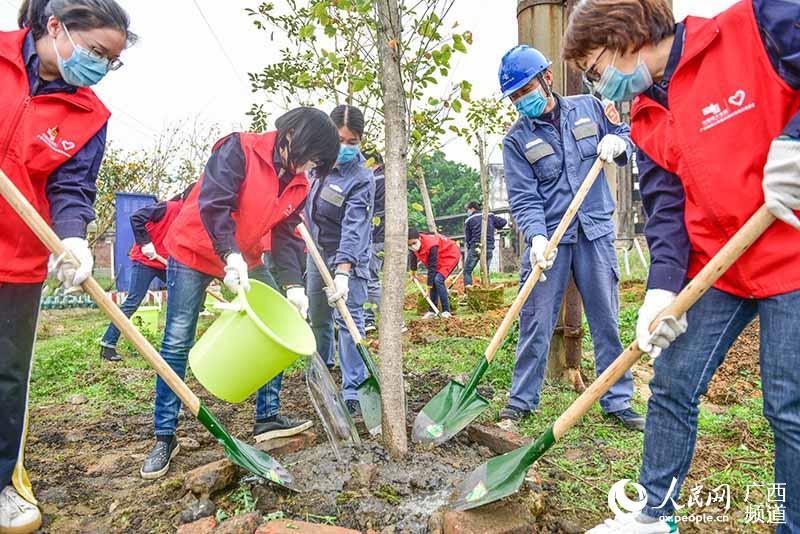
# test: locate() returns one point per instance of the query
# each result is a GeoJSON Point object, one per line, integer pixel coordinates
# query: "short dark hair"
{"type": "Point", "coordinates": [619, 25]}
{"type": "Point", "coordinates": [350, 116]}
{"type": "Point", "coordinates": [314, 138]}
{"type": "Point", "coordinates": [473, 206]}
{"type": "Point", "coordinates": [75, 14]}
{"type": "Point", "coordinates": [413, 233]}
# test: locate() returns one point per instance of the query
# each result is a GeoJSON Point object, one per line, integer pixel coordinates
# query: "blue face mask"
{"type": "Point", "coordinates": [82, 68]}
{"type": "Point", "coordinates": [619, 87]}
{"type": "Point", "coordinates": [532, 105]}
{"type": "Point", "coordinates": [347, 153]}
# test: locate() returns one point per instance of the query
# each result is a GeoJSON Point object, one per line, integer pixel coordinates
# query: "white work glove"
{"type": "Point", "coordinates": [782, 180]}
{"type": "Point", "coordinates": [297, 296]}
{"type": "Point", "coordinates": [611, 147]}
{"type": "Point", "coordinates": [342, 283]}
{"type": "Point", "coordinates": [149, 251]}
{"type": "Point", "coordinates": [668, 329]}
{"type": "Point", "coordinates": [538, 248]}
{"type": "Point", "coordinates": [69, 274]}
{"type": "Point", "coordinates": [236, 273]}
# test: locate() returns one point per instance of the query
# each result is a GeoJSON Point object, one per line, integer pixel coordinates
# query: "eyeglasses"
{"type": "Point", "coordinates": [590, 75]}
{"type": "Point", "coordinates": [95, 53]}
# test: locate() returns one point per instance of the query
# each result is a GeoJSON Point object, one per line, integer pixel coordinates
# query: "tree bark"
{"type": "Point", "coordinates": [395, 244]}
{"type": "Point", "coordinates": [419, 179]}
{"type": "Point", "coordinates": [485, 215]}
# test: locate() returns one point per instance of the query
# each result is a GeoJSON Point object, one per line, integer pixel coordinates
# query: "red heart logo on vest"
{"type": "Point", "coordinates": [68, 145]}
{"type": "Point", "coordinates": [738, 98]}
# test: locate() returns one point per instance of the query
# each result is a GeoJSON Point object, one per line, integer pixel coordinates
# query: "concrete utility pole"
{"type": "Point", "coordinates": [541, 24]}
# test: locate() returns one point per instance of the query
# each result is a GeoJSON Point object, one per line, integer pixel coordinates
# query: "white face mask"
{"type": "Point", "coordinates": [415, 246]}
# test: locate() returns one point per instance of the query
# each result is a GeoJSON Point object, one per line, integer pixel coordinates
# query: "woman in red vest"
{"type": "Point", "coordinates": [150, 226]}
{"type": "Point", "coordinates": [253, 185]}
{"type": "Point", "coordinates": [52, 138]}
{"type": "Point", "coordinates": [715, 119]}
{"type": "Point", "coordinates": [440, 255]}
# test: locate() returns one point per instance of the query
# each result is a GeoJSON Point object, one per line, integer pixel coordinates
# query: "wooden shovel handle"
{"type": "Point", "coordinates": [46, 235]}
{"type": "Point", "coordinates": [530, 283]}
{"type": "Point", "coordinates": [425, 294]}
{"type": "Point", "coordinates": [322, 267]}
{"type": "Point", "coordinates": [727, 256]}
{"type": "Point", "coordinates": [219, 298]}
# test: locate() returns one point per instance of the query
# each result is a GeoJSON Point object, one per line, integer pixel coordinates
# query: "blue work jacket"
{"type": "Point", "coordinates": [544, 167]}
{"type": "Point", "coordinates": [339, 214]}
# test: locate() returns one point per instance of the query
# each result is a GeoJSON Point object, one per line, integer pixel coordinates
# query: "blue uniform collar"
{"type": "Point", "coordinates": [566, 107]}
{"type": "Point", "coordinates": [37, 85]}
{"type": "Point", "coordinates": [351, 167]}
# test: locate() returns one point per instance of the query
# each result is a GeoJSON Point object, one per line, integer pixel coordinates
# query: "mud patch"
{"type": "Point", "coordinates": [738, 377]}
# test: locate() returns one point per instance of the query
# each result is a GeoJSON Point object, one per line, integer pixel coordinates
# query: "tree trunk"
{"type": "Point", "coordinates": [419, 178]}
{"type": "Point", "coordinates": [395, 244]}
{"type": "Point", "coordinates": [485, 216]}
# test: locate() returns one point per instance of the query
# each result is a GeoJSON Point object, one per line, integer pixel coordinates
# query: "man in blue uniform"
{"type": "Point", "coordinates": [472, 238]}
{"type": "Point", "coordinates": [547, 154]}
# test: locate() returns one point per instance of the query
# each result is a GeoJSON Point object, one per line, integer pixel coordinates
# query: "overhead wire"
{"type": "Point", "coordinates": [219, 42]}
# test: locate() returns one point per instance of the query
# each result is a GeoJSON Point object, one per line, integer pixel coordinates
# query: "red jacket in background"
{"type": "Point", "coordinates": [449, 253]}
{"type": "Point", "coordinates": [158, 232]}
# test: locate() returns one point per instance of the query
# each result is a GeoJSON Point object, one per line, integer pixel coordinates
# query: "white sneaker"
{"type": "Point", "coordinates": [429, 315]}
{"type": "Point", "coordinates": [446, 315]}
{"type": "Point", "coordinates": [633, 523]}
{"type": "Point", "coordinates": [17, 516]}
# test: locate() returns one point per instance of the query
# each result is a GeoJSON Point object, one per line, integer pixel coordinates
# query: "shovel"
{"type": "Point", "coordinates": [457, 405]}
{"type": "Point", "coordinates": [242, 454]}
{"type": "Point", "coordinates": [369, 392]}
{"type": "Point", "coordinates": [434, 309]}
{"type": "Point", "coordinates": [503, 475]}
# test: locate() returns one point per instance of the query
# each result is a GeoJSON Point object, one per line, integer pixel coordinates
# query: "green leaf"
{"type": "Point", "coordinates": [458, 44]}
{"type": "Point", "coordinates": [306, 32]}
{"type": "Point", "coordinates": [416, 206]}
{"type": "Point", "coordinates": [456, 105]}
{"type": "Point", "coordinates": [330, 30]}
{"type": "Point", "coordinates": [359, 84]}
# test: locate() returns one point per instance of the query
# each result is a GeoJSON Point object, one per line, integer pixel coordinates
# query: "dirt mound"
{"type": "Point", "coordinates": [738, 377]}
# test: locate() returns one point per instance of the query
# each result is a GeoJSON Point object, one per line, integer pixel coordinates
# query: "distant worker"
{"type": "Point", "coordinates": [472, 238]}
{"type": "Point", "coordinates": [150, 226]}
{"type": "Point", "coordinates": [440, 255]}
{"type": "Point", "coordinates": [378, 234]}
{"type": "Point", "coordinates": [547, 155]}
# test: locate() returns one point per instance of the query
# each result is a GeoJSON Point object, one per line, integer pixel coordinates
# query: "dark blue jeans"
{"type": "Point", "coordinates": [438, 293]}
{"type": "Point", "coordinates": [474, 260]}
{"type": "Point", "coordinates": [185, 297]}
{"type": "Point", "coordinates": [682, 375]}
{"type": "Point", "coordinates": [141, 278]}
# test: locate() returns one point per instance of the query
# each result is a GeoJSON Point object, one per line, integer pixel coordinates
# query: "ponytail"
{"type": "Point", "coordinates": [75, 14]}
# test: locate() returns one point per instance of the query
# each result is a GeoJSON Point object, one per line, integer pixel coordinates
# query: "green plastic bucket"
{"type": "Point", "coordinates": [146, 318]}
{"type": "Point", "coordinates": [243, 350]}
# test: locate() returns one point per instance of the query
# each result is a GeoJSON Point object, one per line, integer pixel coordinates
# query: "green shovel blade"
{"type": "Point", "coordinates": [369, 393]}
{"type": "Point", "coordinates": [451, 410]}
{"type": "Point", "coordinates": [246, 456]}
{"type": "Point", "coordinates": [501, 476]}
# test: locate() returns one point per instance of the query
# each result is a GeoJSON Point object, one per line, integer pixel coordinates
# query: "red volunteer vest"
{"type": "Point", "coordinates": [260, 209]}
{"type": "Point", "coordinates": [158, 232]}
{"type": "Point", "coordinates": [37, 135]}
{"type": "Point", "coordinates": [726, 105]}
{"type": "Point", "coordinates": [449, 254]}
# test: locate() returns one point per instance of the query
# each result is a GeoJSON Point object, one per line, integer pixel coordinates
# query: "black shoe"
{"type": "Point", "coordinates": [513, 414]}
{"type": "Point", "coordinates": [109, 354]}
{"type": "Point", "coordinates": [156, 464]}
{"type": "Point", "coordinates": [354, 409]}
{"type": "Point", "coordinates": [370, 326]}
{"type": "Point", "coordinates": [278, 427]}
{"type": "Point", "coordinates": [629, 419]}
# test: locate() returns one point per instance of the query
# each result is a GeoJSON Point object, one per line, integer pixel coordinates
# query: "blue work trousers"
{"type": "Point", "coordinates": [185, 297]}
{"type": "Point", "coordinates": [593, 264]}
{"type": "Point", "coordinates": [322, 316]}
{"type": "Point", "coordinates": [438, 293]}
{"type": "Point", "coordinates": [374, 283]}
{"type": "Point", "coordinates": [141, 278]}
{"type": "Point", "coordinates": [474, 260]}
{"type": "Point", "coordinates": [682, 374]}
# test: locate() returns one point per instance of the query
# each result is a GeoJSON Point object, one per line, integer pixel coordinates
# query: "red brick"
{"type": "Point", "coordinates": [298, 442]}
{"type": "Point", "coordinates": [495, 438]}
{"type": "Point", "coordinates": [496, 518]}
{"type": "Point", "coordinates": [212, 477]}
{"type": "Point", "coordinates": [288, 526]}
{"type": "Point", "coordinates": [240, 524]}
{"type": "Point", "coordinates": [202, 526]}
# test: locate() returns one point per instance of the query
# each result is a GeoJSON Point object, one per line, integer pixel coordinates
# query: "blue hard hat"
{"type": "Point", "coordinates": [519, 66]}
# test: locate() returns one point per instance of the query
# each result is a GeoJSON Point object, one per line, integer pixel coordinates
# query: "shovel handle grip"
{"type": "Point", "coordinates": [700, 284]}
{"type": "Point", "coordinates": [425, 294]}
{"type": "Point", "coordinates": [322, 267]}
{"type": "Point", "coordinates": [536, 273]}
{"type": "Point", "coordinates": [48, 237]}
